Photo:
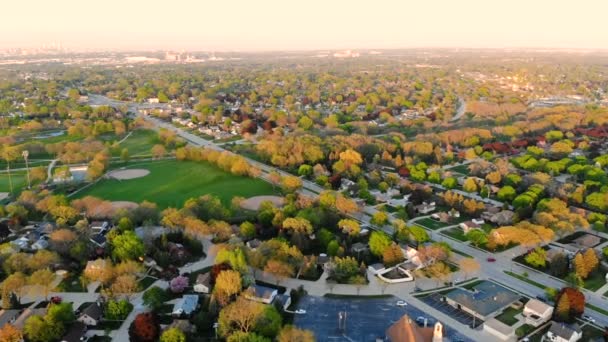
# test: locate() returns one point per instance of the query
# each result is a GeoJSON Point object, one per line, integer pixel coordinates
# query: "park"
{"type": "Point", "coordinates": [169, 183]}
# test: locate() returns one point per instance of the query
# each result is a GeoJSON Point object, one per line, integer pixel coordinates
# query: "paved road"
{"type": "Point", "coordinates": [462, 106]}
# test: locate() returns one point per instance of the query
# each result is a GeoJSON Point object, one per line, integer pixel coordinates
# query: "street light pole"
{"type": "Point", "coordinates": [25, 155]}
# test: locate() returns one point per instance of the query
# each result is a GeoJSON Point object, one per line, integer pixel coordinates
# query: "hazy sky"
{"type": "Point", "coordinates": [303, 24]}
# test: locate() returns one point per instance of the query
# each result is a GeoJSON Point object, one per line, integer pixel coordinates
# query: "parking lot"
{"type": "Point", "coordinates": [435, 301]}
{"type": "Point", "coordinates": [363, 319]}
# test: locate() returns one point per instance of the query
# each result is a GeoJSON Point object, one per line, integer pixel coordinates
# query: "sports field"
{"type": "Point", "coordinates": [139, 143]}
{"type": "Point", "coordinates": [171, 182]}
{"type": "Point", "coordinates": [18, 178]}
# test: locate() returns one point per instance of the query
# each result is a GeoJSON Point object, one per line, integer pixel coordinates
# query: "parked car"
{"type": "Point", "coordinates": [401, 303]}
{"type": "Point", "coordinates": [491, 259]}
{"type": "Point", "coordinates": [420, 320]}
{"type": "Point", "coordinates": [56, 300]}
{"type": "Point", "coordinates": [589, 318]}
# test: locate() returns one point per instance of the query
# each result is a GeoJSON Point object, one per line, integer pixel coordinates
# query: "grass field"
{"type": "Point", "coordinates": [170, 183]}
{"type": "Point", "coordinates": [430, 223]}
{"type": "Point", "coordinates": [18, 178]}
{"type": "Point", "coordinates": [508, 316]}
{"type": "Point", "coordinates": [140, 142]}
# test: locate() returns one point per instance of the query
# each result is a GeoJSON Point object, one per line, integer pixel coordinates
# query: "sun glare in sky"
{"type": "Point", "coordinates": [299, 25]}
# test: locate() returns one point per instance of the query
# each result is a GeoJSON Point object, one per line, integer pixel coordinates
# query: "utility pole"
{"type": "Point", "coordinates": [25, 155]}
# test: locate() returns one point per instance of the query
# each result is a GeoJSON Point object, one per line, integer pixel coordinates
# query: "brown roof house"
{"type": "Point", "coordinates": [407, 330]}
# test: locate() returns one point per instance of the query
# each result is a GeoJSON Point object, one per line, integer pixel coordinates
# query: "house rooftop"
{"type": "Point", "coordinates": [485, 299]}
{"type": "Point", "coordinates": [537, 306]}
{"type": "Point", "coordinates": [261, 291]}
{"type": "Point", "coordinates": [187, 304]}
{"type": "Point", "coordinates": [94, 311]}
{"type": "Point", "coordinates": [75, 333]}
{"type": "Point", "coordinates": [8, 316]}
{"type": "Point", "coordinates": [204, 279]}
{"type": "Point", "coordinates": [407, 330]}
{"type": "Point", "coordinates": [564, 330]}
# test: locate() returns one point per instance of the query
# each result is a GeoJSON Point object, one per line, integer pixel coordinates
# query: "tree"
{"type": "Point", "coordinates": [291, 183]}
{"type": "Point", "coordinates": [439, 271]}
{"type": "Point", "coordinates": [38, 329]}
{"type": "Point", "coordinates": [342, 269]}
{"type": "Point", "coordinates": [298, 225]}
{"type": "Point", "coordinates": [158, 151]}
{"type": "Point", "coordinates": [279, 270]}
{"type": "Point", "coordinates": [580, 268]}
{"type": "Point", "coordinates": [591, 261]}
{"type": "Point", "coordinates": [537, 258]}
{"type": "Point", "coordinates": [247, 230]}
{"type": "Point", "coordinates": [127, 246]}
{"type": "Point", "coordinates": [240, 315]}
{"type": "Point", "coordinates": [145, 328]}
{"type": "Point", "coordinates": [393, 255]}
{"type": "Point", "coordinates": [506, 193]}
{"type": "Point", "coordinates": [43, 279]}
{"type": "Point", "coordinates": [477, 237]}
{"type": "Point", "coordinates": [124, 155]}
{"type": "Point", "coordinates": [349, 227]}
{"type": "Point", "coordinates": [418, 234]}
{"type": "Point", "coordinates": [558, 265]}
{"type": "Point", "coordinates": [470, 185]}
{"type": "Point", "coordinates": [8, 333]}
{"type": "Point", "coordinates": [173, 335]}
{"type": "Point", "coordinates": [125, 284]}
{"type": "Point", "coordinates": [290, 333]}
{"type": "Point", "coordinates": [15, 284]}
{"type": "Point", "coordinates": [178, 284]}
{"type": "Point", "coordinates": [379, 242]}
{"type": "Point", "coordinates": [269, 323]}
{"type": "Point", "coordinates": [118, 310]}
{"type": "Point", "coordinates": [227, 284]}
{"type": "Point", "coordinates": [563, 307]}
{"type": "Point", "coordinates": [379, 218]}
{"type": "Point", "coordinates": [468, 266]}
{"type": "Point", "coordinates": [155, 297]}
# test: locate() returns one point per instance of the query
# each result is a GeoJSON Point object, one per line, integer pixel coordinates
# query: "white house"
{"type": "Point", "coordinates": [91, 315]}
{"type": "Point", "coordinates": [203, 283]}
{"type": "Point", "coordinates": [537, 312]}
{"type": "Point", "coordinates": [468, 226]}
{"type": "Point", "coordinates": [561, 332]}
{"type": "Point", "coordinates": [261, 294]}
{"type": "Point", "coordinates": [153, 100]}
{"type": "Point", "coordinates": [499, 330]}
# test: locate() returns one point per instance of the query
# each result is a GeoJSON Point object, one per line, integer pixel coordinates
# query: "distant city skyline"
{"type": "Point", "coordinates": [241, 25]}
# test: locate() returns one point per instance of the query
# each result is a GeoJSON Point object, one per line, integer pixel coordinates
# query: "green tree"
{"type": "Point", "coordinates": [419, 234]}
{"type": "Point", "coordinates": [379, 218]}
{"type": "Point", "coordinates": [173, 335]}
{"type": "Point", "coordinates": [379, 242]}
{"type": "Point", "coordinates": [118, 310]}
{"type": "Point", "coordinates": [247, 230]}
{"type": "Point", "coordinates": [38, 329]}
{"type": "Point", "coordinates": [269, 323]}
{"type": "Point", "coordinates": [155, 297]}
{"type": "Point", "coordinates": [537, 258]}
{"type": "Point", "coordinates": [124, 155]}
{"type": "Point", "coordinates": [127, 246]}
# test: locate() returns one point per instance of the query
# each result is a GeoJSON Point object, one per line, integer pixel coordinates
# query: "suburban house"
{"type": "Point", "coordinates": [76, 333]}
{"type": "Point", "coordinates": [261, 294]}
{"type": "Point", "coordinates": [537, 312]}
{"type": "Point", "coordinates": [502, 218]}
{"type": "Point", "coordinates": [359, 247]}
{"type": "Point", "coordinates": [586, 241]}
{"type": "Point", "coordinates": [91, 315]}
{"type": "Point", "coordinates": [467, 226]}
{"type": "Point", "coordinates": [425, 208]}
{"type": "Point", "coordinates": [407, 330]}
{"type": "Point", "coordinates": [99, 226]}
{"type": "Point", "coordinates": [203, 283]}
{"type": "Point", "coordinates": [483, 301]}
{"type": "Point", "coordinates": [499, 330]}
{"type": "Point", "coordinates": [254, 244]}
{"type": "Point", "coordinates": [561, 332]}
{"type": "Point", "coordinates": [185, 306]}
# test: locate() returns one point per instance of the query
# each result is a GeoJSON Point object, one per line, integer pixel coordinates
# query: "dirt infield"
{"type": "Point", "coordinates": [128, 174]}
{"type": "Point", "coordinates": [124, 205]}
{"type": "Point", "coordinates": [253, 203]}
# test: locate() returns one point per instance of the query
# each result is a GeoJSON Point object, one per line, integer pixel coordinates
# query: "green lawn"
{"type": "Point", "coordinates": [144, 283]}
{"type": "Point", "coordinates": [71, 284]}
{"type": "Point", "coordinates": [463, 169]}
{"type": "Point", "coordinates": [591, 333]}
{"type": "Point", "coordinates": [429, 223]}
{"type": "Point", "coordinates": [598, 309]}
{"type": "Point", "coordinates": [18, 178]}
{"type": "Point", "coordinates": [140, 142]}
{"type": "Point", "coordinates": [508, 316]}
{"type": "Point", "coordinates": [171, 182]}
{"type": "Point", "coordinates": [595, 281]}
{"type": "Point", "coordinates": [455, 233]}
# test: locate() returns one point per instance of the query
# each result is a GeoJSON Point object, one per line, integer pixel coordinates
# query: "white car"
{"type": "Point", "coordinates": [300, 311]}
{"type": "Point", "coordinates": [589, 318]}
{"type": "Point", "coordinates": [401, 303]}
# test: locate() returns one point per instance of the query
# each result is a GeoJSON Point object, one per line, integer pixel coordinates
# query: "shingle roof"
{"type": "Point", "coordinates": [564, 330]}
{"type": "Point", "coordinates": [94, 311]}
{"type": "Point", "coordinates": [406, 330]}
{"type": "Point", "coordinates": [486, 297]}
